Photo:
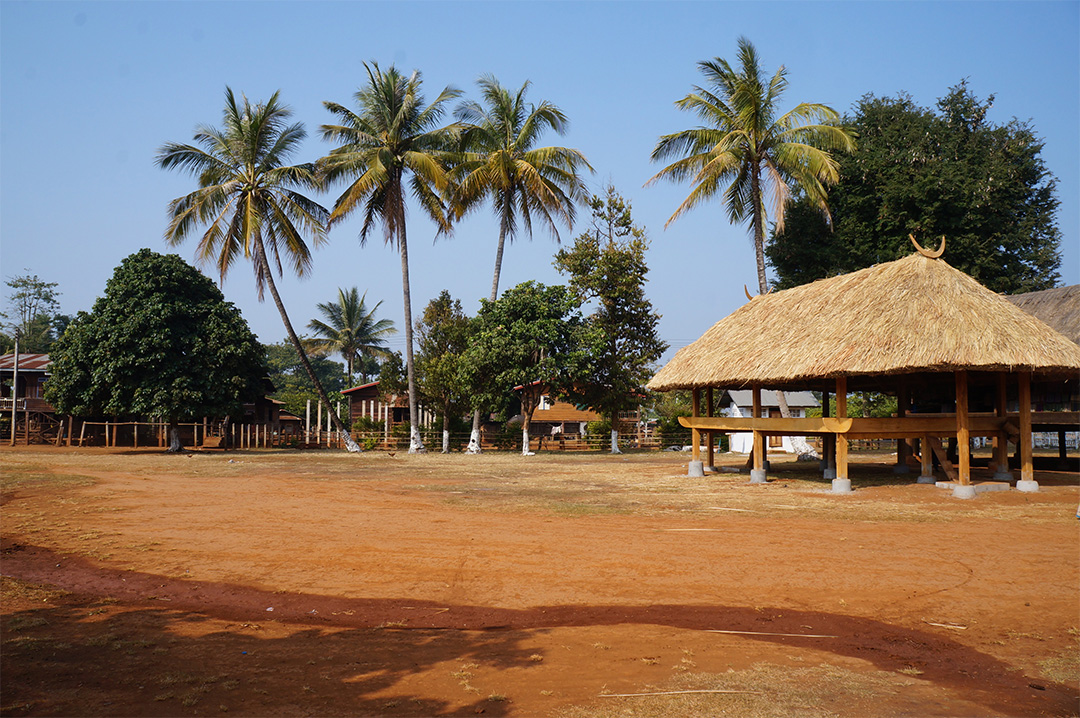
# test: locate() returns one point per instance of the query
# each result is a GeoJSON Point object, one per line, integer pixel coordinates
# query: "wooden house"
{"type": "Point", "coordinates": [366, 401]}
{"type": "Point", "coordinates": [914, 328]}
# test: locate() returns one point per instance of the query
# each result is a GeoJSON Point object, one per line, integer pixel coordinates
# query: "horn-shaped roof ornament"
{"type": "Point", "coordinates": [926, 252]}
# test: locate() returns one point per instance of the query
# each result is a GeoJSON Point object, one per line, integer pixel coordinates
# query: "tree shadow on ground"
{"type": "Point", "coordinates": [129, 643]}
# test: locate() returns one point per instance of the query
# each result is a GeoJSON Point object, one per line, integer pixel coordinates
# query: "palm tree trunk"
{"type": "Point", "coordinates": [260, 257]}
{"type": "Point", "coordinates": [416, 444]}
{"type": "Point", "coordinates": [474, 434]}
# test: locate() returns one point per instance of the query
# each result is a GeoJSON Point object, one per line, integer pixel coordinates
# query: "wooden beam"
{"type": "Point", "coordinates": [1027, 469]}
{"type": "Point", "coordinates": [926, 456]}
{"type": "Point", "coordinates": [947, 466]}
{"type": "Point", "coordinates": [963, 430]}
{"type": "Point", "coordinates": [1001, 440]}
{"type": "Point", "coordinates": [901, 412]}
{"type": "Point", "coordinates": [841, 442]}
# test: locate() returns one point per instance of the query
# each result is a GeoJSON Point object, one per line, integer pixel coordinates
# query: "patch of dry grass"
{"type": "Point", "coordinates": [771, 691]}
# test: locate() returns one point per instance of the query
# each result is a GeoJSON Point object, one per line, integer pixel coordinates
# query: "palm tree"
{"type": "Point", "coordinates": [247, 202]}
{"type": "Point", "coordinates": [393, 137]}
{"type": "Point", "coordinates": [350, 329]}
{"type": "Point", "coordinates": [746, 147]}
{"type": "Point", "coordinates": [501, 162]}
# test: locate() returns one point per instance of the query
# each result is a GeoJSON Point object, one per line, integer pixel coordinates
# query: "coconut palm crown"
{"type": "Point", "coordinates": [350, 329]}
{"type": "Point", "coordinates": [746, 153]}
{"type": "Point", "coordinates": [502, 162]}
{"type": "Point", "coordinates": [248, 201]}
{"type": "Point", "coordinates": [393, 138]}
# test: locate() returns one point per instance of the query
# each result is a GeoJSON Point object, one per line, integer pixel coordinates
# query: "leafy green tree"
{"type": "Point", "coordinates": [932, 173]}
{"type": "Point", "coordinates": [607, 265]}
{"type": "Point", "coordinates": [443, 333]}
{"type": "Point", "coordinates": [33, 307]}
{"type": "Point", "coordinates": [293, 386]}
{"type": "Point", "coordinates": [393, 140]}
{"type": "Point", "coordinates": [501, 162]}
{"type": "Point", "coordinates": [530, 337]}
{"type": "Point", "coordinates": [161, 342]}
{"type": "Point", "coordinates": [350, 330]}
{"type": "Point", "coordinates": [747, 153]}
{"type": "Point", "coordinates": [248, 202]}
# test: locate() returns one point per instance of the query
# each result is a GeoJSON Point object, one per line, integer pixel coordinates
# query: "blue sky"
{"type": "Point", "coordinates": [89, 91]}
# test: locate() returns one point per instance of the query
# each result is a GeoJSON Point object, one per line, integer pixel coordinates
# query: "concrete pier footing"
{"type": "Point", "coordinates": [1027, 486]}
{"type": "Point", "coordinates": [963, 491]}
{"type": "Point", "coordinates": [901, 469]}
{"type": "Point", "coordinates": [926, 480]}
{"type": "Point", "coordinates": [829, 474]}
{"type": "Point", "coordinates": [1003, 476]}
{"type": "Point", "coordinates": [841, 486]}
{"type": "Point", "coordinates": [697, 468]}
{"type": "Point", "coordinates": [758, 476]}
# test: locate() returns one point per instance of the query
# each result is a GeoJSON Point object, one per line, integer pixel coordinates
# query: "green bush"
{"type": "Point", "coordinates": [366, 423]}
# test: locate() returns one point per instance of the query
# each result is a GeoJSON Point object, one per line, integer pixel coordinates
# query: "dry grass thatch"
{"type": "Point", "coordinates": [1059, 307]}
{"type": "Point", "coordinates": [916, 314]}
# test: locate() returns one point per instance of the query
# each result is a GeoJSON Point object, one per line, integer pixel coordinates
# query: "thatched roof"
{"type": "Point", "coordinates": [913, 315]}
{"type": "Point", "coordinates": [1060, 308]}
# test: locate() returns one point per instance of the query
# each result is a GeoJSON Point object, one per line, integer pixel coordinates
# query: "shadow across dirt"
{"type": "Point", "coordinates": [349, 651]}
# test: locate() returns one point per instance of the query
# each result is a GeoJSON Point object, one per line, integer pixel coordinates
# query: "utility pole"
{"type": "Point", "coordinates": [15, 387]}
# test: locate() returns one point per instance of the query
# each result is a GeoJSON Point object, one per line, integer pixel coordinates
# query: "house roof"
{"type": "Point", "coordinates": [369, 385]}
{"type": "Point", "coordinates": [912, 315]}
{"type": "Point", "coordinates": [745, 397]}
{"type": "Point", "coordinates": [1058, 307]}
{"type": "Point", "coordinates": [27, 362]}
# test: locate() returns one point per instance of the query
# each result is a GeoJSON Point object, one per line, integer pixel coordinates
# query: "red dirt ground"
{"type": "Point", "coordinates": [323, 584]}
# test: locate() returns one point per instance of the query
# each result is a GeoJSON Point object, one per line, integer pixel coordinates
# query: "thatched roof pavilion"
{"type": "Point", "coordinates": [1058, 307]}
{"type": "Point", "coordinates": [915, 325]}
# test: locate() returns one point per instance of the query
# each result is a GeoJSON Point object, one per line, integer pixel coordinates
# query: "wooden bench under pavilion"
{"type": "Point", "coordinates": [954, 354]}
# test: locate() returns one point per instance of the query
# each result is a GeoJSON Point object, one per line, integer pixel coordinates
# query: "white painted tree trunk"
{"type": "Point", "coordinates": [416, 444]}
{"type": "Point", "coordinates": [474, 435]}
{"type": "Point", "coordinates": [525, 443]}
{"type": "Point", "coordinates": [615, 441]}
{"type": "Point", "coordinates": [446, 441]}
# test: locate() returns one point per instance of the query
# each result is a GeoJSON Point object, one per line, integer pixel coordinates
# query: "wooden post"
{"type": "Point", "coordinates": [709, 434]}
{"type": "Point", "coordinates": [902, 449]}
{"type": "Point", "coordinates": [759, 439]}
{"type": "Point", "coordinates": [963, 428]}
{"type": "Point", "coordinates": [926, 454]}
{"type": "Point", "coordinates": [1001, 439]}
{"type": "Point", "coordinates": [307, 423]}
{"type": "Point", "coordinates": [135, 433]}
{"type": "Point", "coordinates": [71, 421]}
{"type": "Point", "coordinates": [1027, 469]}
{"type": "Point", "coordinates": [841, 441]}
{"type": "Point", "coordinates": [107, 433]}
{"type": "Point", "coordinates": [695, 435]}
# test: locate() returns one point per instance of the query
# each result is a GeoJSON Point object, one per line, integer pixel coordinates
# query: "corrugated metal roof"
{"type": "Point", "coordinates": [27, 362]}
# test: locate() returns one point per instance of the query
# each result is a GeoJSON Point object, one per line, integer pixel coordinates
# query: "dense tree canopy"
{"type": "Point", "coordinates": [293, 386]}
{"type": "Point", "coordinates": [607, 266]}
{"type": "Point", "coordinates": [530, 337]}
{"type": "Point", "coordinates": [162, 342]}
{"type": "Point", "coordinates": [932, 173]}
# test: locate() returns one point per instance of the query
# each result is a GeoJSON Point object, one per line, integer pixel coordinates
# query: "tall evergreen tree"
{"type": "Point", "coordinates": [607, 265]}
{"type": "Point", "coordinates": [938, 172]}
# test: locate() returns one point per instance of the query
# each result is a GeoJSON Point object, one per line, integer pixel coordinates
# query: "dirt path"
{"type": "Point", "coordinates": [424, 586]}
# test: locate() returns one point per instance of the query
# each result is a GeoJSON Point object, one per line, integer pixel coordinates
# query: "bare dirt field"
{"type": "Point", "coordinates": [292, 584]}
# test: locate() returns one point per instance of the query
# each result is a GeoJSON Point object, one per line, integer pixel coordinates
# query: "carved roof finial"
{"type": "Point", "coordinates": [926, 252]}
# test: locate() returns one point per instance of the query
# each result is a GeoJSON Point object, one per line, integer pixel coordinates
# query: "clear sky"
{"type": "Point", "coordinates": [89, 91]}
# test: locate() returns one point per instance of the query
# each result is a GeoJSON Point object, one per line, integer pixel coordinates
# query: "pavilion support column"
{"type": "Point", "coordinates": [926, 453]}
{"type": "Point", "coordinates": [1027, 470]}
{"type": "Point", "coordinates": [963, 488]}
{"type": "Point", "coordinates": [711, 465]}
{"type": "Point", "coordinates": [841, 484]}
{"type": "Point", "coordinates": [903, 451]}
{"type": "Point", "coordinates": [696, 468]}
{"type": "Point", "coordinates": [758, 474]}
{"type": "Point", "coordinates": [828, 442]}
{"type": "Point", "coordinates": [1001, 439]}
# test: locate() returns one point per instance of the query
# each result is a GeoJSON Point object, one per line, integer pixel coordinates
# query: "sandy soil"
{"type": "Point", "coordinates": [276, 583]}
